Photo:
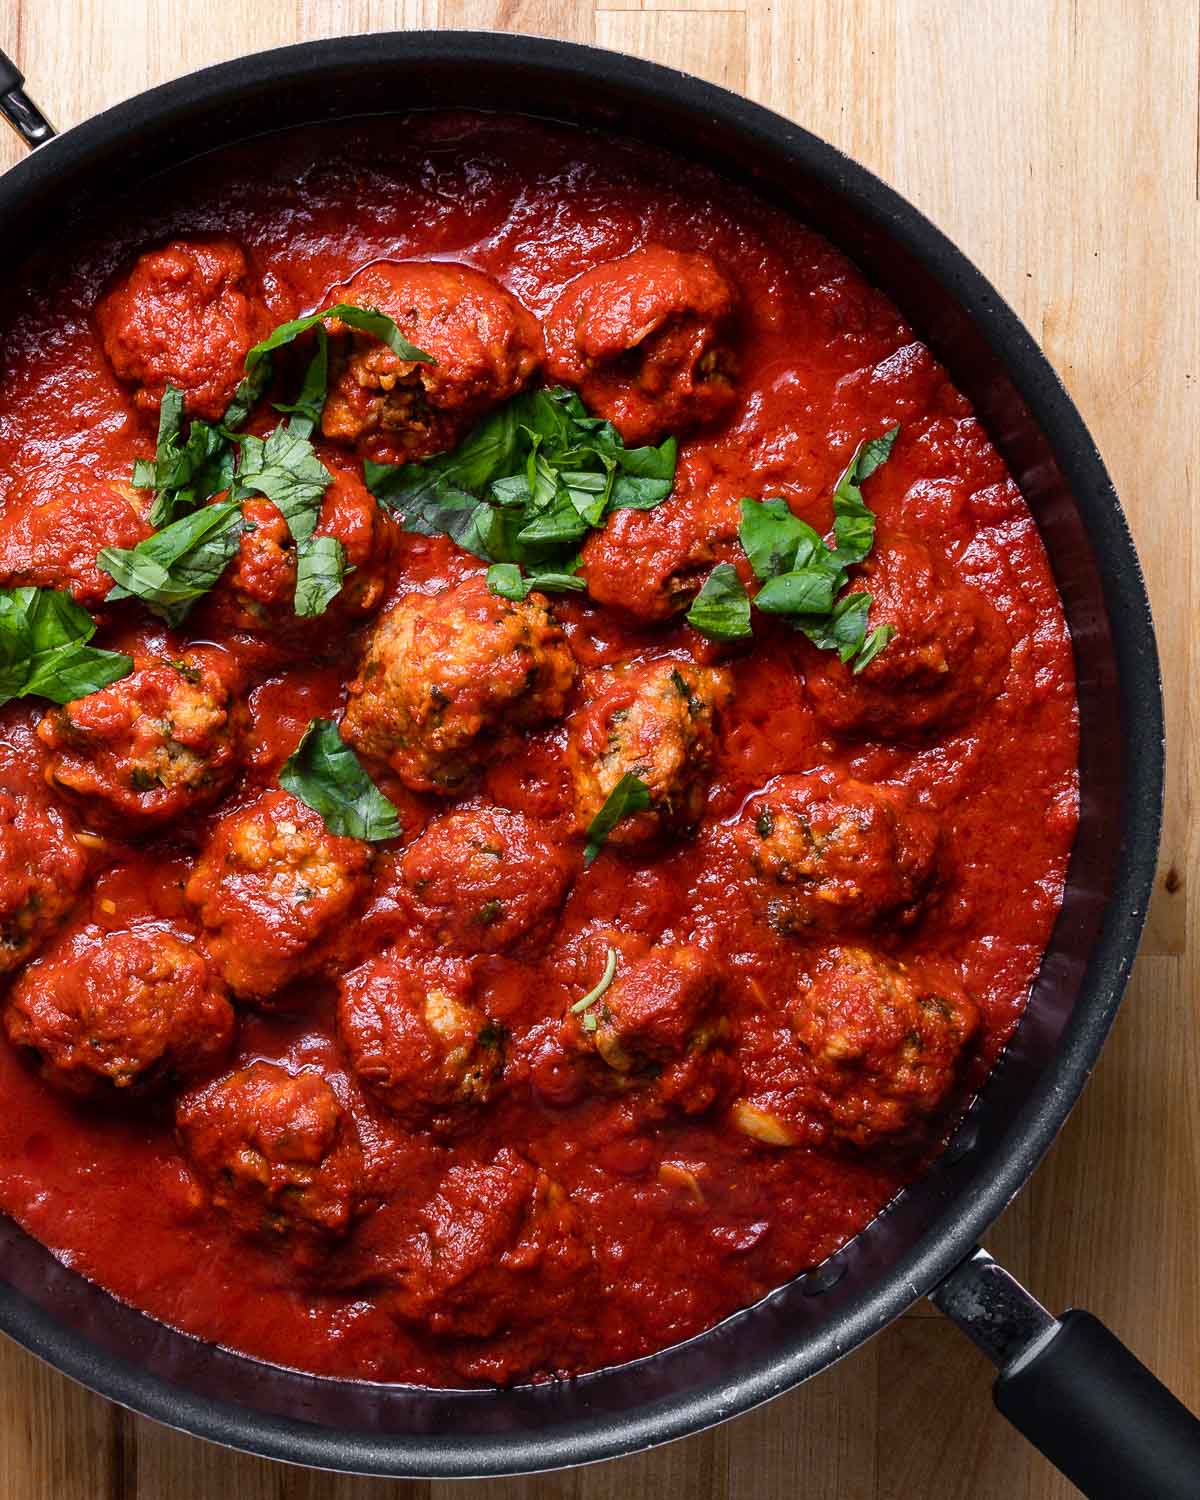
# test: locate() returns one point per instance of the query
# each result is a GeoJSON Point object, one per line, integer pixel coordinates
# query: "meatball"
{"type": "Point", "coordinates": [655, 722]}
{"type": "Point", "coordinates": [443, 677]}
{"type": "Point", "coordinates": [486, 345]}
{"type": "Point", "coordinates": [420, 1046]}
{"type": "Point", "coordinates": [885, 1042]}
{"type": "Point", "coordinates": [279, 1155]}
{"type": "Point", "coordinates": [659, 1023]}
{"type": "Point", "coordinates": [482, 879]}
{"type": "Point", "coordinates": [42, 869]}
{"type": "Point", "coordinates": [52, 527]}
{"type": "Point", "coordinates": [832, 854]}
{"type": "Point", "coordinates": [161, 742]}
{"type": "Point", "coordinates": [648, 563]}
{"type": "Point", "coordinates": [185, 315]}
{"type": "Point", "coordinates": [257, 590]}
{"type": "Point", "coordinates": [499, 1252]}
{"type": "Point", "coordinates": [647, 340]}
{"type": "Point", "coordinates": [945, 661]}
{"type": "Point", "coordinates": [273, 888]}
{"type": "Point", "coordinates": [121, 1010]}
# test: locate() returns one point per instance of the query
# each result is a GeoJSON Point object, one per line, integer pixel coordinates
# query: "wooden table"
{"type": "Point", "coordinates": [1074, 182]}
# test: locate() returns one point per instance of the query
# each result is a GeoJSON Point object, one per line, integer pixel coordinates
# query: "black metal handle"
{"type": "Point", "coordinates": [18, 108]}
{"type": "Point", "coordinates": [1075, 1391]}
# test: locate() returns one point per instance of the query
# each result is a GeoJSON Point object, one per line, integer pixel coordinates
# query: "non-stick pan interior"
{"type": "Point", "coordinates": [814, 1320]}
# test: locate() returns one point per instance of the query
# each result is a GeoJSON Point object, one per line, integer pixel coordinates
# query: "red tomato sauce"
{"type": "Point", "coordinates": [676, 1218]}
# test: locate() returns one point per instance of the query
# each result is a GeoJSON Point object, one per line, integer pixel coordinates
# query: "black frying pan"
{"type": "Point", "coordinates": [1066, 1382]}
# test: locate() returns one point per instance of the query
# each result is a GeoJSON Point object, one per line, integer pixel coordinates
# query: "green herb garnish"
{"type": "Point", "coordinates": [173, 568]}
{"type": "Point", "coordinates": [721, 610]}
{"type": "Point", "coordinates": [326, 775]}
{"type": "Point", "coordinates": [630, 795]}
{"type": "Point", "coordinates": [183, 474]}
{"type": "Point", "coordinates": [582, 1007]}
{"type": "Point", "coordinates": [364, 319]}
{"type": "Point", "coordinates": [44, 649]}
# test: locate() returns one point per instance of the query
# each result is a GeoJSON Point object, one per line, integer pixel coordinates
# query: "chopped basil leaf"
{"type": "Point", "coordinates": [183, 473]}
{"type": "Point", "coordinates": [320, 573]}
{"type": "Point", "coordinates": [806, 591]}
{"type": "Point", "coordinates": [326, 775]}
{"type": "Point", "coordinates": [44, 651]}
{"type": "Point", "coordinates": [721, 610]}
{"type": "Point", "coordinates": [844, 629]}
{"type": "Point", "coordinates": [365, 319]}
{"type": "Point", "coordinates": [526, 486]}
{"type": "Point", "coordinates": [872, 646]}
{"type": "Point", "coordinates": [285, 468]}
{"type": "Point", "coordinates": [507, 580]}
{"type": "Point", "coordinates": [170, 570]}
{"type": "Point", "coordinates": [630, 795]}
{"type": "Point", "coordinates": [774, 539]}
{"type": "Point", "coordinates": [307, 408]}
{"type": "Point", "coordinates": [582, 1006]}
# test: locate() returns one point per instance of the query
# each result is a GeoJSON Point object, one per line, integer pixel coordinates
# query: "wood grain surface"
{"type": "Point", "coordinates": [1058, 142]}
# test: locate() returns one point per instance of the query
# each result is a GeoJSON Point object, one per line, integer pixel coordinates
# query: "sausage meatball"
{"type": "Point", "coordinates": [648, 563]}
{"type": "Point", "coordinates": [442, 676]}
{"type": "Point", "coordinates": [885, 1043]}
{"type": "Point", "coordinates": [185, 315]}
{"type": "Point", "coordinates": [159, 743]}
{"type": "Point", "coordinates": [257, 590]}
{"type": "Point", "coordinates": [273, 887]}
{"type": "Point", "coordinates": [420, 1046]}
{"type": "Point", "coordinates": [499, 1251]}
{"type": "Point", "coordinates": [486, 345]}
{"type": "Point", "coordinates": [482, 879]}
{"type": "Point", "coordinates": [655, 722]}
{"type": "Point", "coordinates": [42, 870]}
{"type": "Point", "coordinates": [647, 340]}
{"type": "Point", "coordinates": [945, 661]}
{"type": "Point", "coordinates": [279, 1155]}
{"type": "Point", "coordinates": [52, 528]}
{"type": "Point", "coordinates": [832, 854]}
{"type": "Point", "coordinates": [120, 1010]}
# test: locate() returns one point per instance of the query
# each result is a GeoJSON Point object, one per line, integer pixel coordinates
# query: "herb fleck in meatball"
{"type": "Point", "coordinates": [660, 1024]}
{"type": "Point", "coordinates": [486, 345]}
{"type": "Point", "coordinates": [885, 1042]}
{"type": "Point", "coordinates": [445, 676]}
{"type": "Point", "coordinates": [120, 1011]}
{"type": "Point", "coordinates": [647, 340]}
{"type": "Point", "coordinates": [655, 722]}
{"type": "Point", "coordinates": [946, 660]}
{"type": "Point", "coordinates": [41, 871]}
{"type": "Point", "coordinates": [273, 888]}
{"type": "Point", "coordinates": [279, 1155]}
{"type": "Point", "coordinates": [833, 854]}
{"type": "Point", "coordinates": [53, 525]}
{"type": "Point", "coordinates": [482, 879]}
{"type": "Point", "coordinates": [185, 315]}
{"type": "Point", "coordinates": [419, 1045]}
{"type": "Point", "coordinates": [159, 743]}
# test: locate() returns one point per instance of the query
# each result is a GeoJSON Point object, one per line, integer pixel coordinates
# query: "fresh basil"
{"type": "Point", "coordinates": [306, 410]}
{"type": "Point", "coordinates": [630, 795]}
{"type": "Point", "coordinates": [507, 580]}
{"type": "Point", "coordinates": [583, 1007]}
{"type": "Point", "coordinates": [184, 472]}
{"type": "Point", "coordinates": [326, 775]}
{"type": "Point", "coordinates": [721, 610]}
{"type": "Point", "coordinates": [320, 573]}
{"type": "Point", "coordinates": [364, 319]}
{"type": "Point", "coordinates": [173, 568]}
{"type": "Point", "coordinates": [285, 468]}
{"type": "Point", "coordinates": [774, 539]}
{"type": "Point", "coordinates": [526, 486]}
{"type": "Point", "coordinates": [44, 649]}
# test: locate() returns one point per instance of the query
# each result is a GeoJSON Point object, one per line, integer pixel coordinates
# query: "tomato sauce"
{"type": "Point", "coordinates": [678, 1218]}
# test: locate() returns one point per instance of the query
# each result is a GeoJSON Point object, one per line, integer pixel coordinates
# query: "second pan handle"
{"type": "Point", "coordinates": [19, 109]}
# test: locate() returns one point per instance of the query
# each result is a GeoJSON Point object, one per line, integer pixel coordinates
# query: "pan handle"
{"type": "Point", "coordinates": [1075, 1391]}
{"type": "Point", "coordinates": [18, 108]}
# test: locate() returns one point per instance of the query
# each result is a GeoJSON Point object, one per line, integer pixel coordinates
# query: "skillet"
{"type": "Point", "coordinates": [1066, 1382]}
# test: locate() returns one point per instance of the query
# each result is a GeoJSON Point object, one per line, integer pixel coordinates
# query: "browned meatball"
{"type": "Point", "coordinates": [659, 1024]}
{"type": "Point", "coordinates": [649, 563]}
{"type": "Point", "coordinates": [647, 340]}
{"type": "Point", "coordinates": [656, 722]}
{"type": "Point", "coordinates": [114, 1011]}
{"type": "Point", "coordinates": [418, 1044]}
{"type": "Point", "coordinates": [946, 660]}
{"type": "Point", "coordinates": [41, 871]}
{"type": "Point", "coordinates": [885, 1041]}
{"type": "Point", "coordinates": [185, 315]}
{"type": "Point", "coordinates": [444, 677]}
{"type": "Point", "coordinates": [486, 345]}
{"type": "Point", "coordinates": [273, 888]}
{"type": "Point", "coordinates": [161, 742]}
{"type": "Point", "coordinates": [279, 1155]}
{"type": "Point", "coordinates": [833, 854]}
{"type": "Point", "coordinates": [53, 525]}
{"type": "Point", "coordinates": [483, 879]}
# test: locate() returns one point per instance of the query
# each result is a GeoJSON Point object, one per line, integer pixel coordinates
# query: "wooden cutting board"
{"type": "Point", "coordinates": [1058, 142]}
